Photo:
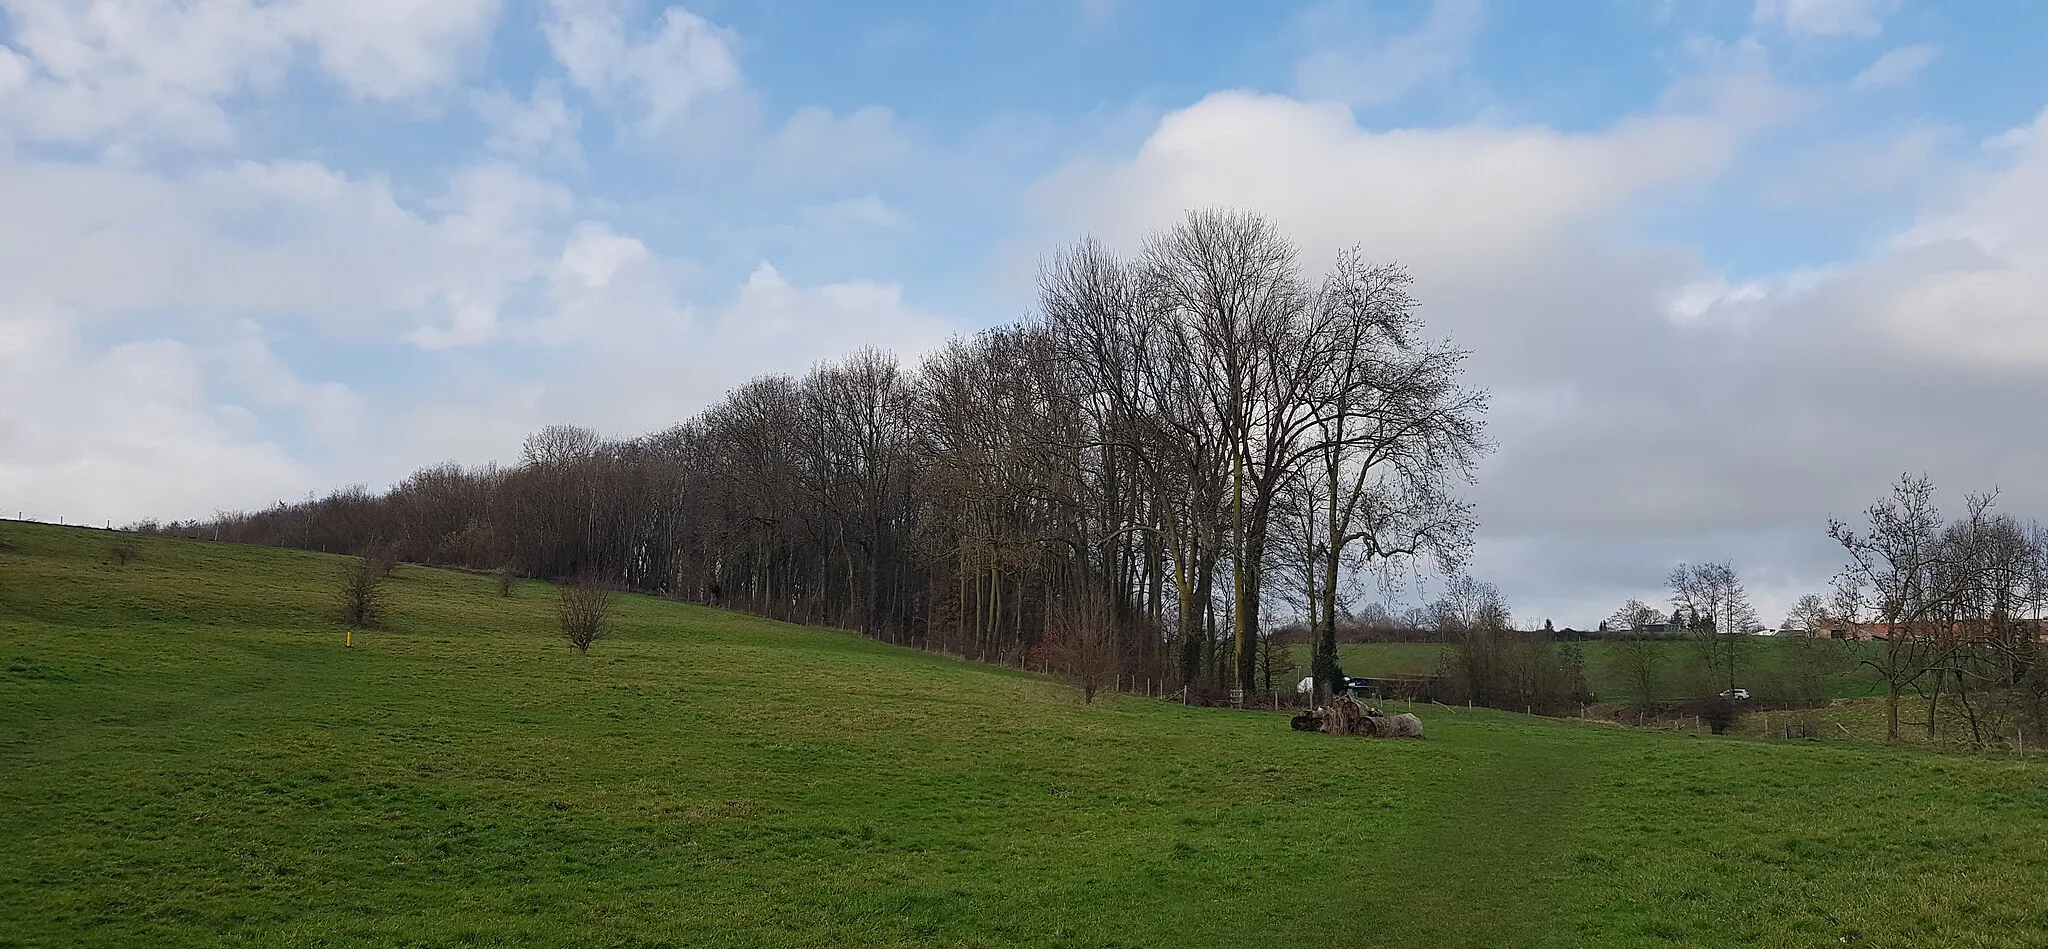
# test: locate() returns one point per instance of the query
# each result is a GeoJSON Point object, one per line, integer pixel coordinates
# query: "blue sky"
{"type": "Point", "coordinates": [1728, 265]}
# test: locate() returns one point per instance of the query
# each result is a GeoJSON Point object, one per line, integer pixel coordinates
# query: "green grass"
{"type": "Point", "coordinates": [189, 755]}
{"type": "Point", "coordinates": [1763, 670]}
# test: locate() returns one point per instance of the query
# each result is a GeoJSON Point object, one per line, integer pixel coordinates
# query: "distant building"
{"type": "Point", "coordinates": [1878, 631]}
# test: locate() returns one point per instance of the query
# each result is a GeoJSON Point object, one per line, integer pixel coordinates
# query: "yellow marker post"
{"type": "Point", "coordinates": [351, 638]}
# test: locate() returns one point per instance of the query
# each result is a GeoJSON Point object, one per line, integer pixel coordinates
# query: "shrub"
{"type": "Point", "coordinates": [583, 608]}
{"type": "Point", "coordinates": [505, 580]}
{"type": "Point", "coordinates": [1718, 713]}
{"type": "Point", "coordinates": [362, 592]}
{"type": "Point", "coordinates": [383, 559]}
{"type": "Point", "coordinates": [1082, 643]}
{"type": "Point", "coordinates": [123, 554]}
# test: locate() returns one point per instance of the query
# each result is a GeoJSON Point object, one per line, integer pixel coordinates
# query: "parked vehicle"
{"type": "Point", "coordinates": [1737, 695]}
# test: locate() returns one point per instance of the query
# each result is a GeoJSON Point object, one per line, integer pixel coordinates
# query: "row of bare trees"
{"type": "Point", "coordinates": [1172, 440]}
{"type": "Point", "coordinates": [1489, 662]}
{"type": "Point", "coordinates": [1954, 611]}
{"type": "Point", "coordinates": [1955, 606]}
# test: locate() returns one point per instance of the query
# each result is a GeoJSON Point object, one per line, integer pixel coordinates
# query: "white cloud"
{"type": "Point", "coordinates": [123, 72]}
{"type": "Point", "coordinates": [658, 362]}
{"type": "Point", "coordinates": [1648, 409]}
{"type": "Point", "coordinates": [1366, 69]}
{"type": "Point", "coordinates": [1897, 67]}
{"type": "Point", "coordinates": [191, 409]}
{"type": "Point", "coordinates": [1858, 18]}
{"type": "Point", "coordinates": [817, 145]}
{"type": "Point", "coordinates": [1967, 280]}
{"type": "Point", "coordinates": [539, 127]}
{"type": "Point", "coordinates": [661, 76]}
{"type": "Point", "coordinates": [1442, 195]}
{"type": "Point", "coordinates": [1715, 300]}
{"type": "Point", "coordinates": [596, 286]}
{"type": "Point", "coordinates": [283, 240]}
{"type": "Point", "coordinates": [843, 316]}
{"type": "Point", "coordinates": [388, 49]}
{"type": "Point", "coordinates": [136, 429]}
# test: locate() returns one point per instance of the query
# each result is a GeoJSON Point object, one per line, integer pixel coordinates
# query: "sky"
{"type": "Point", "coordinates": [1727, 267]}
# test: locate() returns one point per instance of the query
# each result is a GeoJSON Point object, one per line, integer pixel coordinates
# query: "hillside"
{"type": "Point", "coordinates": [189, 755]}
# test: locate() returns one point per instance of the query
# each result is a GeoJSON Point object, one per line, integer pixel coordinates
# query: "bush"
{"type": "Point", "coordinates": [362, 592]}
{"type": "Point", "coordinates": [123, 554]}
{"type": "Point", "coordinates": [582, 611]}
{"type": "Point", "coordinates": [1082, 642]}
{"type": "Point", "coordinates": [506, 578]}
{"type": "Point", "coordinates": [1719, 714]}
{"type": "Point", "coordinates": [383, 559]}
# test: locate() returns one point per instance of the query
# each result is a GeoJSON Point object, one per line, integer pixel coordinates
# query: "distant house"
{"type": "Point", "coordinates": [1879, 631]}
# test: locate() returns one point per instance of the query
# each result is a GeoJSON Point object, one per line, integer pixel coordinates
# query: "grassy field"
{"type": "Point", "coordinates": [189, 755]}
{"type": "Point", "coordinates": [1765, 659]}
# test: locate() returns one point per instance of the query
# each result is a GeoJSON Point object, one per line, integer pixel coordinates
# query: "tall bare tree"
{"type": "Point", "coordinates": [1902, 579]}
{"type": "Point", "coordinates": [1717, 611]}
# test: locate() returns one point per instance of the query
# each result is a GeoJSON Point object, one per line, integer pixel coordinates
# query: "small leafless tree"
{"type": "Point", "coordinates": [584, 607]}
{"type": "Point", "coordinates": [1082, 642]}
{"type": "Point", "coordinates": [362, 593]}
{"type": "Point", "coordinates": [505, 578]}
{"type": "Point", "coordinates": [123, 554]}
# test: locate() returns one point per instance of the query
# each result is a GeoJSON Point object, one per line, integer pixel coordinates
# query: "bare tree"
{"type": "Point", "coordinates": [1392, 433]}
{"type": "Point", "coordinates": [1717, 611]}
{"type": "Point", "coordinates": [1633, 655]}
{"type": "Point", "coordinates": [1900, 578]}
{"type": "Point", "coordinates": [1229, 286]}
{"type": "Point", "coordinates": [583, 609]}
{"type": "Point", "coordinates": [1083, 643]}
{"type": "Point", "coordinates": [1634, 615]}
{"type": "Point", "coordinates": [361, 600]}
{"type": "Point", "coordinates": [1179, 434]}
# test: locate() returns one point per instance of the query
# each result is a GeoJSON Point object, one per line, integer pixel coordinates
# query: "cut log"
{"type": "Point", "coordinates": [1404, 725]}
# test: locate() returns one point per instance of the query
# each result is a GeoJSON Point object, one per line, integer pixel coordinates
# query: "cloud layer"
{"type": "Point", "coordinates": [253, 249]}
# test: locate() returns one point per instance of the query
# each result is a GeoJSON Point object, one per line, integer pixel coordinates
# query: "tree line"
{"type": "Point", "coordinates": [1953, 611]}
{"type": "Point", "coordinates": [1134, 477]}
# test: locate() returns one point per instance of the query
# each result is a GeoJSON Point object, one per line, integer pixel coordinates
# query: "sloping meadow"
{"type": "Point", "coordinates": [191, 755]}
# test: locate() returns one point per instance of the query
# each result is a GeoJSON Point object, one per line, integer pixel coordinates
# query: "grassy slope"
{"type": "Point", "coordinates": [189, 756]}
{"type": "Point", "coordinates": [1765, 660]}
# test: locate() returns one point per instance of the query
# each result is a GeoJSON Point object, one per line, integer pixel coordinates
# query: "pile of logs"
{"type": "Point", "coordinates": [1346, 715]}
